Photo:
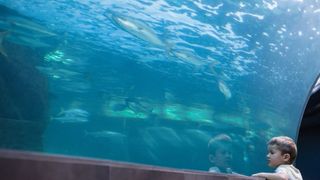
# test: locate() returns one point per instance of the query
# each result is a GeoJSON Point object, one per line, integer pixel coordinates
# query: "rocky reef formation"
{"type": "Point", "coordinates": [23, 99]}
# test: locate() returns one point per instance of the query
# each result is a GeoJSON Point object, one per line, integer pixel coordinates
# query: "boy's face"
{"type": "Point", "coordinates": [222, 157]}
{"type": "Point", "coordinates": [275, 157]}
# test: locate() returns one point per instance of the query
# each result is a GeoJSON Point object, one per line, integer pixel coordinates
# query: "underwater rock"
{"type": "Point", "coordinates": [26, 88]}
{"type": "Point", "coordinates": [23, 99]}
{"type": "Point", "coordinates": [119, 107]}
{"type": "Point", "coordinates": [138, 106]}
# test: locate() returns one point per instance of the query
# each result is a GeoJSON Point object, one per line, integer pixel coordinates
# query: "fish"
{"type": "Point", "coordinates": [75, 112]}
{"type": "Point", "coordinates": [70, 119]}
{"type": "Point", "coordinates": [58, 73]}
{"type": "Point", "coordinates": [28, 25]}
{"type": "Point", "coordinates": [104, 134]}
{"type": "Point", "coordinates": [138, 29]}
{"type": "Point", "coordinates": [188, 57]}
{"type": "Point", "coordinates": [18, 31]}
{"type": "Point", "coordinates": [224, 89]}
{"type": "Point", "coordinates": [72, 116]}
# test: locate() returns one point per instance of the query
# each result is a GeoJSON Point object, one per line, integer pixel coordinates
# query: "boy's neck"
{"type": "Point", "coordinates": [284, 164]}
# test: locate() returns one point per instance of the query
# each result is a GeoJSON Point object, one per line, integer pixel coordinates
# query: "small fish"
{"type": "Point", "coordinates": [188, 57]}
{"type": "Point", "coordinates": [224, 89]}
{"type": "Point", "coordinates": [138, 29]}
{"type": "Point", "coordinates": [59, 73]}
{"type": "Point", "coordinates": [72, 116]}
{"type": "Point", "coordinates": [70, 119]}
{"type": "Point", "coordinates": [18, 22]}
{"type": "Point", "coordinates": [75, 112]}
{"type": "Point", "coordinates": [104, 134]}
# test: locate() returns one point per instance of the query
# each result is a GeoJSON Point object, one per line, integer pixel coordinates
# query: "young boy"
{"type": "Point", "coordinates": [220, 154]}
{"type": "Point", "coordinates": [282, 151]}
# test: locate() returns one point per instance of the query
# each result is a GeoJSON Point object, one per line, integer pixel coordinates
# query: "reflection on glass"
{"type": "Point", "coordinates": [153, 81]}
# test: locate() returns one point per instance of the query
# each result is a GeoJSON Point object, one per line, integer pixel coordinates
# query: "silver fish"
{"type": "Point", "coordinates": [224, 89]}
{"type": "Point", "coordinates": [72, 116]}
{"type": "Point", "coordinates": [104, 134]}
{"type": "Point", "coordinates": [188, 57]}
{"type": "Point", "coordinates": [138, 29]}
{"type": "Point", "coordinates": [70, 119]}
{"type": "Point", "coordinates": [28, 25]}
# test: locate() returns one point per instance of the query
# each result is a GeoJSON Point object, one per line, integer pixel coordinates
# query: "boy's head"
{"type": "Point", "coordinates": [220, 148]}
{"type": "Point", "coordinates": [282, 150]}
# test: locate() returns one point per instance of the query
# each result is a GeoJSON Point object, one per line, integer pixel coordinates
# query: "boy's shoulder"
{"type": "Point", "coordinates": [287, 166]}
{"type": "Point", "coordinates": [290, 170]}
{"type": "Point", "coordinates": [214, 169]}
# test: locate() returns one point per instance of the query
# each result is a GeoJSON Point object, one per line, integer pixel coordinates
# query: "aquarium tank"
{"type": "Point", "coordinates": [154, 81]}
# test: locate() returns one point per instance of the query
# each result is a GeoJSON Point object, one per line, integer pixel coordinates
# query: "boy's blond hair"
{"type": "Point", "coordinates": [285, 145]}
{"type": "Point", "coordinates": [218, 142]}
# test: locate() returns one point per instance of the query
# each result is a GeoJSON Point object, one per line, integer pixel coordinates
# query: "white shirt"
{"type": "Point", "coordinates": [292, 172]}
{"type": "Point", "coordinates": [215, 169]}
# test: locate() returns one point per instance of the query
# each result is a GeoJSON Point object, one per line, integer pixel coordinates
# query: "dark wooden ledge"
{"type": "Point", "coordinates": [18, 165]}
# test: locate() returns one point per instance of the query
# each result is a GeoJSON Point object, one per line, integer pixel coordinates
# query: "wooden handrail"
{"type": "Point", "coordinates": [17, 165]}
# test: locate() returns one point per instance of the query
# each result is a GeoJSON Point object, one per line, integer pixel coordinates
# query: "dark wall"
{"type": "Point", "coordinates": [309, 140]}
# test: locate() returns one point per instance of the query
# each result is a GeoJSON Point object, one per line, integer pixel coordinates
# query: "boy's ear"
{"type": "Point", "coordinates": [286, 156]}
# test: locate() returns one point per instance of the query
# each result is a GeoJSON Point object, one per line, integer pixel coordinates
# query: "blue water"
{"type": "Point", "coordinates": [152, 81]}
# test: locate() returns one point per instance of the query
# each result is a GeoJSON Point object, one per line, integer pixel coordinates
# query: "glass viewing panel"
{"type": "Point", "coordinates": [153, 81]}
